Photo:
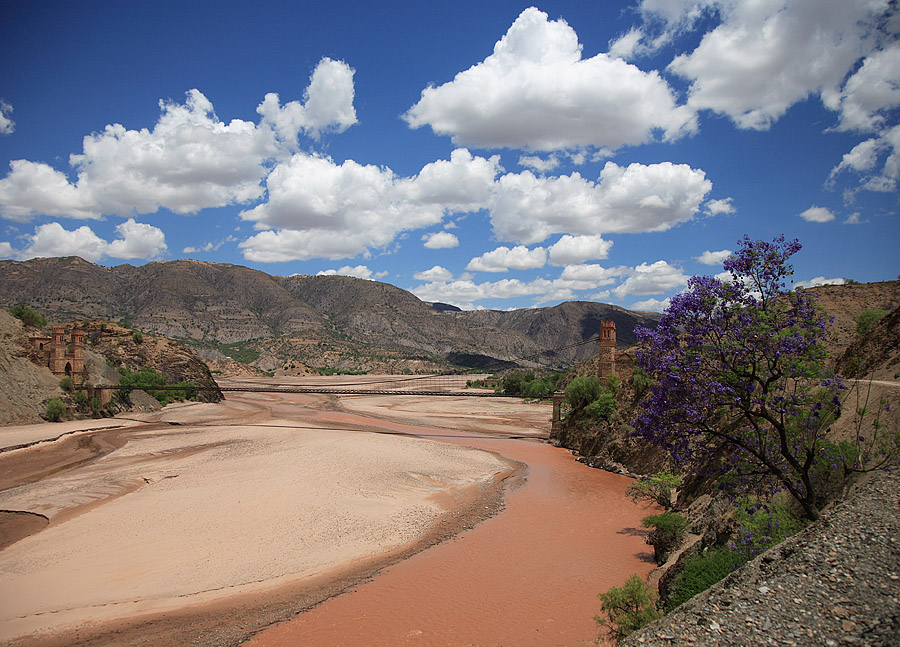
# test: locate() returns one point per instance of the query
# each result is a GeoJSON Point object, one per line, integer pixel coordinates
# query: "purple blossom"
{"type": "Point", "coordinates": [740, 380]}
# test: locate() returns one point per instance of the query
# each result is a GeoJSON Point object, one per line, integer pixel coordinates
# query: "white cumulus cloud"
{"type": "Point", "coordinates": [436, 274]}
{"type": "Point", "coordinates": [817, 214]}
{"type": "Point", "coordinates": [653, 305]}
{"type": "Point", "coordinates": [713, 258]}
{"type": "Point", "coordinates": [636, 198]}
{"type": "Point", "coordinates": [716, 207]}
{"type": "Point", "coordinates": [504, 258]}
{"type": "Point", "coordinates": [654, 278]}
{"type": "Point", "coordinates": [877, 160]}
{"type": "Point", "coordinates": [746, 67]}
{"type": "Point", "coordinates": [188, 161]}
{"type": "Point", "coordinates": [327, 106]}
{"type": "Point", "coordinates": [819, 280]}
{"type": "Point", "coordinates": [591, 276]}
{"type": "Point", "coordinates": [7, 125]}
{"type": "Point", "coordinates": [135, 241]}
{"type": "Point", "coordinates": [358, 271]}
{"type": "Point", "coordinates": [537, 92]}
{"type": "Point", "coordinates": [570, 250]}
{"type": "Point", "coordinates": [440, 240]}
{"type": "Point", "coordinates": [872, 92]}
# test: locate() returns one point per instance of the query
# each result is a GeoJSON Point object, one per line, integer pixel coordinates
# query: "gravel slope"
{"type": "Point", "coordinates": [835, 583]}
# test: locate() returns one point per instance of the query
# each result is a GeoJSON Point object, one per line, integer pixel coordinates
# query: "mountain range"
{"type": "Point", "coordinates": [294, 324]}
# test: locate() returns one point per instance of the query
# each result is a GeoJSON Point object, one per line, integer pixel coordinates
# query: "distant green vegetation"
{"type": "Point", "coordinates": [239, 351]}
{"type": "Point", "coordinates": [27, 315]}
{"type": "Point", "coordinates": [327, 370]}
{"type": "Point", "coordinates": [150, 381]}
{"type": "Point", "coordinates": [527, 385]}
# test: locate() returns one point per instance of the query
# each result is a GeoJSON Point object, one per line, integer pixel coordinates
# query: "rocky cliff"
{"type": "Point", "coordinates": [24, 386]}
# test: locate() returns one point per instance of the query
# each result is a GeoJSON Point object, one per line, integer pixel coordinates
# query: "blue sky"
{"type": "Point", "coordinates": [497, 155]}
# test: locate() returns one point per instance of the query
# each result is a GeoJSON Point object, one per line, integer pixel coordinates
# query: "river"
{"type": "Point", "coordinates": [528, 576]}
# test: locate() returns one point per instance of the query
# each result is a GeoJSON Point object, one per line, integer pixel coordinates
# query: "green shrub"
{"type": "Point", "coordinates": [758, 529]}
{"type": "Point", "coordinates": [56, 409]}
{"type": "Point", "coordinates": [582, 391]}
{"type": "Point", "coordinates": [150, 381]}
{"type": "Point", "coordinates": [640, 383]}
{"type": "Point", "coordinates": [527, 385]}
{"type": "Point", "coordinates": [761, 527]}
{"type": "Point", "coordinates": [603, 407]}
{"type": "Point", "coordinates": [868, 318]}
{"type": "Point", "coordinates": [655, 488]}
{"type": "Point", "coordinates": [699, 573]}
{"type": "Point", "coordinates": [627, 608]}
{"type": "Point", "coordinates": [67, 384]}
{"type": "Point", "coordinates": [137, 337]}
{"type": "Point", "coordinates": [613, 384]}
{"type": "Point", "coordinates": [80, 398]}
{"type": "Point", "coordinates": [668, 531]}
{"type": "Point", "coordinates": [27, 315]}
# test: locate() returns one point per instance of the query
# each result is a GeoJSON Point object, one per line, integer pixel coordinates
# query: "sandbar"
{"type": "Point", "coordinates": [207, 502]}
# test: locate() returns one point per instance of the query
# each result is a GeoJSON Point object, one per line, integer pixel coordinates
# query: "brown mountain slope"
{"type": "Point", "coordinates": [846, 302]}
{"type": "Point", "coordinates": [876, 354]}
{"type": "Point", "coordinates": [290, 323]}
{"type": "Point", "coordinates": [564, 325]}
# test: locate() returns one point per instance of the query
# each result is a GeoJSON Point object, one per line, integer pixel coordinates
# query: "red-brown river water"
{"type": "Point", "coordinates": [526, 577]}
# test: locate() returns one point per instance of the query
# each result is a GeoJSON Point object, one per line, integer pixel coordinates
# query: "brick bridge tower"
{"type": "Point", "coordinates": [65, 359]}
{"type": "Point", "coordinates": [607, 344]}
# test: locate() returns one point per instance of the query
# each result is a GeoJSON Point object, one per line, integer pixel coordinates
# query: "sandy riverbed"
{"type": "Point", "coordinates": [199, 509]}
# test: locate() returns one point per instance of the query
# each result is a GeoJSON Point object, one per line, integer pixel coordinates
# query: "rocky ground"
{"type": "Point", "coordinates": [24, 386]}
{"type": "Point", "coordinates": [835, 583]}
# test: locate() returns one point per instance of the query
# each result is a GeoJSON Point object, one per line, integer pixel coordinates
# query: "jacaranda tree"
{"type": "Point", "coordinates": [741, 389]}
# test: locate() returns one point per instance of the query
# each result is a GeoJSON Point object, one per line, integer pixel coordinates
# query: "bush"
{"type": "Point", "coordinates": [613, 384]}
{"type": "Point", "coordinates": [868, 318]}
{"type": "Point", "coordinates": [27, 315]}
{"type": "Point", "coordinates": [640, 383]}
{"type": "Point", "coordinates": [699, 573]}
{"type": "Point", "coordinates": [137, 337]}
{"type": "Point", "coordinates": [655, 488]}
{"type": "Point", "coordinates": [760, 528]}
{"type": "Point", "coordinates": [582, 391]}
{"type": "Point", "coordinates": [67, 384]}
{"type": "Point", "coordinates": [150, 381]}
{"type": "Point", "coordinates": [56, 409]}
{"type": "Point", "coordinates": [603, 407]}
{"type": "Point", "coordinates": [668, 531]}
{"type": "Point", "coordinates": [628, 608]}
{"type": "Point", "coordinates": [80, 398]}
{"type": "Point", "coordinates": [526, 384]}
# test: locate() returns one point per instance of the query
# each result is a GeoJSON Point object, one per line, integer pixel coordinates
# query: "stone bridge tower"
{"type": "Point", "coordinates": [607, 344]}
